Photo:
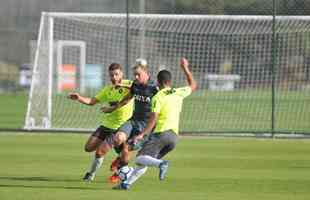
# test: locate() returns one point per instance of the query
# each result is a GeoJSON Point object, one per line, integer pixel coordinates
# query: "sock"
{"type": "Point", "coordinates": [96, 164]}
{"type": "Point", "coordinates": [121, 164]}
{"type": "Point", "coordinates": [148, 161]}
{"type": "Point", "coordinates": [136, 174]}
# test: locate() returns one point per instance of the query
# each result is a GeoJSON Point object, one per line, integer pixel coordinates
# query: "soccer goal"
{"type": "Point", "coordinates": [74, 49]}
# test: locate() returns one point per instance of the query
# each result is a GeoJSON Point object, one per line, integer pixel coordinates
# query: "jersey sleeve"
{"type": "Point", "coordinates": [155, 90]}
{"type": "Point", "coordinates": [126, 84]}
{"type": "Point", "coordinates": [101, 96]}
{"type": "Point", "coordinates": [132, 88]}
{"type": "Point", "coordinates": [184, 91]}
{"type": "Point", "coordinates": [156, 105]}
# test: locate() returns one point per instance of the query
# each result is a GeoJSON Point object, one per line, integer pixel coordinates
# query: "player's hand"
{"type": "Point", "coordinates": [107, 109]}
{"type": "Point", "coordinates": [184, 63]}
{"type": "Point", "coordinates": [73, 96]}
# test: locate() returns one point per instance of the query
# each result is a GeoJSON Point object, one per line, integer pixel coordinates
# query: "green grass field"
{"type": "Point", "coordinates": [13, 110]}
{"type": "Point", "coordinates": [203, 111]}
{"type": "Point", "coordinates": [50, 166]}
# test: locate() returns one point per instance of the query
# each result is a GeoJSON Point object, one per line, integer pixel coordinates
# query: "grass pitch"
{"type": "Point", "coordinates": [50, 166]}
{"type": "Point", "coordinates": [235, 111]}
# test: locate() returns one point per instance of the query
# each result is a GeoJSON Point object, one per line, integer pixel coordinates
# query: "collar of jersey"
{"type": "Point", "coordinates": [166, 88]}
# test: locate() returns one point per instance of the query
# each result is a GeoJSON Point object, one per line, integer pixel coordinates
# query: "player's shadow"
{"type": "Point", "coordinates": [44, 179]}
{"type": "Point", "coordinates": [47, 187]}
{"type": "Point", "coordinates": [37, 178]}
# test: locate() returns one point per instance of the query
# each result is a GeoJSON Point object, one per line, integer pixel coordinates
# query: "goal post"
{"type": "Point", "coordinates": [61, 44]}
{"type": "Point", "coordinates": [220, 48]}
{"type": "Point", "coordinates": [44, 121]}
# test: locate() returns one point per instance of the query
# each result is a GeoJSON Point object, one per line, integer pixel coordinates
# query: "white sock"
{"type": "Point", "coordinates": [148, 161]}
{"type": "Point", "coordinates": [136, 174]}
{"type": "Point", "coordinates": [96, 164]}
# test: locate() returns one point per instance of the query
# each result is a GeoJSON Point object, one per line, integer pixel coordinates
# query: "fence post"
{"type": "Point", "coordinates": [273, 67]}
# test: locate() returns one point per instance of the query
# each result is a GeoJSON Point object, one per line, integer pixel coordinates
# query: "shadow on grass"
{"type": "Point", "coordinates": [48, 179]}
{"type": "Point", "coordinates": [48, 187]}
{"type": "Point", "coordinates": [34, 178]}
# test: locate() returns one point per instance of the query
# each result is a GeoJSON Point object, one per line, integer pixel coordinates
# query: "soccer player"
{"type": "Point", "coordinates": [165, 114]}
{"type": "Point", "coordinates": [101, 140]}
{"type": "Point", "coordinates": [142, 90]}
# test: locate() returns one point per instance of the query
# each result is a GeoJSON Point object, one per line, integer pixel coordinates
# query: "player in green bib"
{"type": "Point", "coordinates": [101, 140]}
{"type": "Point", "coordinates": [165, 115]}
{"type": "Point", "coordinates": [112, 94]}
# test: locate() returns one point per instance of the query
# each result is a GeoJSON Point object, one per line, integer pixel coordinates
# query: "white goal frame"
{"type": "Point", "coordinates": [45, 122]}
{"type": "Point", "coordinates": [61, 44]}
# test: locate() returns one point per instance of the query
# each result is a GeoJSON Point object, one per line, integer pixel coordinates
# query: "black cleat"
{"type": "Point", "coordinates": [88, 177]}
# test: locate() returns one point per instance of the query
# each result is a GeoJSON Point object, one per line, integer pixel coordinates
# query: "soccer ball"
{"type": "Point", "coordinates": [141, 61]}
{"type": "Point", "coordinates": [125, 172]}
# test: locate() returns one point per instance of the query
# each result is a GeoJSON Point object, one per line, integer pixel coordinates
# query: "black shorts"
{"type": "Point", "coordinates": [102, 132]}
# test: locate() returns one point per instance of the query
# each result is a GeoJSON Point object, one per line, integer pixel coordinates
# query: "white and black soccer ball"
{"type": "Point", "coordinates": [141, 61]}
{"type": "Point", "coordinates": [125, 172]}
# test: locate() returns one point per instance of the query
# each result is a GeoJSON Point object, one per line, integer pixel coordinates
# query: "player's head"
{"type": "Point", "coordinates": [140, 71]}
{"type": "Point", "coordinates": [164, 78]}
{"type": "Point", "coordinates": [115, 73]}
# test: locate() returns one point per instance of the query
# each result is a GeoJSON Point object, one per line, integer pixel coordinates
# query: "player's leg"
{"type": "Point", "coordinates": [158, 143]}
{"type": "Point", "coordinates": [141, 167]}
{"type": "Point", "coordinates": [119, 140]}
{"type": "Point", "coordinates": [97, 140]}
{"type": "Point", "coordinates": [125, 155]}
{"type": "Point", "coordinates": [166, 150]}
{"type": "Point", "coordinates": [121, 160]}
{"type": "Point", "coordinates": [101, 151]}
{"type": "Point", "coordinates": [136, 126]}
{"type": "Point", "coordinates": [138, 171]}
{"type": "Point", "coordinates": [147, 156]}
{"type": "Point", "coordinates": [150, 147]}
{"type": "Point", "coordinates": [123, 133]}
{"type": "Point", "coordinates": [91, 145]}
{"type": "Point", "coordinates": [114, 178]}
{"type": "Point", "coordinates": [115, 165]}
{"type": "Point", "coordinates": [125, 151]}
{"type": "Point", "coordinates": [128, 147]}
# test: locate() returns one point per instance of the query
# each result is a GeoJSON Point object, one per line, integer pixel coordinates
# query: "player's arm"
{"type": "Point", "coordinates": [122, 86]}
{"type": "Point", "coordinates": [84, 100]}
{"type": "Point", "coordinates": [123, 102]}
{"type": "Point", "coordinates": [189, 76]}
{"type": "Point", "coordinates": [149, 127]}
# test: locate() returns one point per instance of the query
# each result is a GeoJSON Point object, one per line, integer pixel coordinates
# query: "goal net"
{"type": "Point", "coordinates": [231, 57]}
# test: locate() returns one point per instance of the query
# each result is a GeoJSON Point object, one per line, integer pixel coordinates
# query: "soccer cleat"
{"type": "Point", "coordinates": [88, 177]}
{"type": "Point", "coordinates": [114, 178]}
{"type": "Point", "coordinates": [121, 186]}
{"type": "Point", "coordinates": [163, 168]}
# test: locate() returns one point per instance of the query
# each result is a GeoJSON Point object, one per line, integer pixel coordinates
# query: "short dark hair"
{"type": "Point", "coordinates": [164, 76]}
{"type": "Point", "coordinates": [115, 66]}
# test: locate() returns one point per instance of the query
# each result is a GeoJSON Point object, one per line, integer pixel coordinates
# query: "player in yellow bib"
{"type": "Point", "coordinates": [165, 115]}
{"type": "Point", "coordinates": [101, 140]}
